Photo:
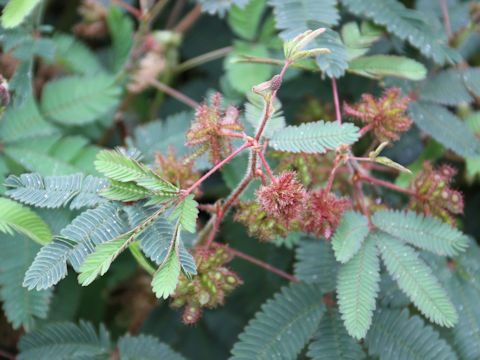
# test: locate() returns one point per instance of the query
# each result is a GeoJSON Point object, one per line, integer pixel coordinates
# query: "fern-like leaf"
{"type": "Point", "coordinates": [357, 289]}
{"type": "Point", "coordinates": [125, 191]}
{"type": "Point", "coordinates": [244, 22]}
{"type": "Point", "coordinates": [14, 216]}
{"type": "Point", "coordinates": [445, 88]}
{"type": "Point", "coordinates": [123, 168]}
{"type": "Point", "coordinates": [254, 109]}
{"type": "Point", "coordinates": [408, 25]}
{"type": "Point", "coordinates": [283, 326]}
{"type": "Point", "coordinates": [145, 347]}
{"type": "Point", "coordinates": [56, 191]}
{"type": "Point", "coordinates": [98, 262]}
{"type": "Point", "coordinates": [65, 341]}
{"type": "Point", "coordinates": [332, 341]}
{"type": "Point", "coordinates": [378, 66]}
{"type": "Point", "coordinates": [316, 137]}
{"type": "Point", "coordinates": [349, 236]}
{"type": "Point", "coordinates": [22, 307]}
{"type": "Point", "coordinates": [187, 213]}
{"type": "Point", "coordinates": [165, 279]}
{"type": "Point", "coordinates": [24, 122]}
{"type": "Point", "coordinates": [422, 231]}
{"type": "Point", "coordinates": [77, 101]}
{"type": "Point", "coordinates": [16, 11]}
{"type": "Point", "coordinates": [445, 127]}
{"type": "Point", "coordinates": [92, 228]}
{"type": "Point", "coordinates": [416, 280]}
{"type": "Point", "coordinates": [49, 266]}
{"type": "Point", "coordinates": [316, 264]}
{"type": "Point", "coordinates": [396, 336]}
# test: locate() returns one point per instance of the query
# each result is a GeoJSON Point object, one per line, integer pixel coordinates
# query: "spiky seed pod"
{"type": "Point", "coordinates": [258, 223]}
{"type": "Point", "coordinates": [323, 213]}
{"type": "Point", "coordinates": [283, 199]}
{"type": "Point", "coordinates": [150, 67]}
{"type": "Point", "coordinates": [209, 287]}
{"type": "Point", "coordinates": [434, 196]}
{"type": "Point", "coordinates": [387, 114]}
{"type": "Point", "coordinates": [206, 131]}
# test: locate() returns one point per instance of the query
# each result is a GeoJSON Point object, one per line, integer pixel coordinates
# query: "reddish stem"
{"type": "Point", "coordinates": [363, 204]}
{"type": "Point", "coordinates": [365, 129]}
{"type": "Point", "coordinates": [332, 174]}
{"type": "Point", "coordinates": [446, 18]}
{"type": "Point", "coordinates": [175, 94]}
{"type": "Point", "coordinates": [215, 168]}
{"type": "Point", "coordinates": [386, 184]}
{"type": "Point", "coordinates": [232, 134]}
{"type": "Point", "coordinates": [270, 104]}
{"type": "Point", "coordinates": [267, 168]}
{"type": "Point", "coordinates": [132, 10]}
{"type": "Point", "coordinates": [263, 264]}
{"type": "Point", "coordinates": [337, 102]}
{"type": "Point", "coordinates": [216, 226]}
{"type": "Point", "coordinates": [189, 19]}
{"type": "Point", "coordinates": [6, 355]}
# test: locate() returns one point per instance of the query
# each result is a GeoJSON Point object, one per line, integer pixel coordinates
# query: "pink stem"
{"type": "Point", "coordinates": [387, 185]}
{"type": "Point", "coordinates": [215, 168]}
{"type": "Point", "coordinates": [365, 129]}
{"type": "Point", "coordinates": [267, 167]}
{"type": "Point", "coordinates": [332, 174]}
{"type": "Point", "coordinates": [175, 94]}
{"type": "Point", "coordinates": [446, 18]}
{"type": "Point", "coordinates": [337, 102]}
{"type": "Point", "coordinates": [263, 264]}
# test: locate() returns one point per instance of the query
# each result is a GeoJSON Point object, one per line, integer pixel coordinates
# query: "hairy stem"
{"type": "Point", "coordinates": [263, 265]}
{"type": "Point", "coordinates": [336, 101]}
{"type": "Point", "coordinates": [175, 94]}
{"type": "Point", "coordinates": [365, 129]}
{"type": "Point", "coordinates": [332, 174]}
{"type": "Point", "coordinates": [386, 184]}
{"type": "Point", "coordinates": [267, 168]}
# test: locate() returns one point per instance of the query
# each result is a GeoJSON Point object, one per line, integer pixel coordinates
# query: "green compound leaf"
{"type": "Point", "coordinates": [445, 127]}
{"type": "Point", "coordinates": [378, 66]}
{"type": "Point", "coordinates": [396, 336]}
{"type": "Point", "coordinates": [16, 11]}
{"type": "Point", "coordinates": [56, 191]}
{"type": "Point", "coordinates": [447, 88]}
{"type": "Point", "coordinates": [331, 341]}
{"type": "Point", "coordinates": [145, 347]}
{"type": "Point", "coordinates": [283, 326]}
{"type": "Point", "coordinates": [187, 213]}
{"type": "Point", "coordinates": [125, 191]}
{"type": "Point", "coordinates": [65, 341]}
{"type": "Point", "coordinates": [165, 279]}
{"type": "Point", "coordinates": [349, 236]}
{"type": "Point", "coordinates": [123, 168]}
{"type": "Point", "coordinates": [244, 22]}
{"type": "Point", "coordinates": [422, 231]}
{"type": "Point", "coordinates": [416, 280]}
{"type": "Point", "coordinates": [15, 217]}
{"type": "Point", "coordinates": [80, 100]}
{"type": "Point", "coordinates": [357, 289]}
{"type": "Point", "coordinates": [98, 262]}
{"type": "Point", "coordinates": [315, 137]}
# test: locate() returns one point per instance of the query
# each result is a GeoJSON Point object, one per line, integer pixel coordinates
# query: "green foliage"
{"type": "Point", "coordinates": [359, 39]}
{"type": "Point", "coordinates": [79, 100]}
{"type": "Point", "coordinates": [22, 307]}
{"type": "Point", "coordinates": [424, 232]}
{"type": "Point", "coordinates": [121, 31]}
{"type": "Point", "coordinates": [294, 17]}
{"type": "Point", "coordinates": [165, 280]}
{"type": "Point", "coordinates": [120, 167]}
{"type": "Point", "coordinates": [444, 127]}
{"type": "Point", "coordinates": [254, 110]}
{"type": "Point", "coordinates": [357, 289]}
{"type": "Point", "coordinates": [416, 280]}
{"type": "Point", "coordinates": [125, 191]}
{"type": "Point", "coordinates": [447, 88]}
{"type": "Point", "coordinates": [331, 341]}
{"type": "Point", "coordinates": [187, 212]}
{"type": "Point", "coordinates": [395, 335]}
{"type": "Point", "coordinates": [284, 325]}
{"type": "Point", "coordinates": [378, 66]}
{"type": "Point", "coordinates": [316, 264]}
{"type": "Point", "coordinates": [56, 191]}
{"type": "Point", "coordinates": [144, 347]}
{"type": "Point", "coordinates": [316, 137]}
{"type": "Point", "coordinates": [348, 238]}
{"type": "Point", "coordinates": [220, 6]}
{"type": "Point", "coordinates": [245, 21]}
{"type": "Point", "coordinates": [65, 340]}
{"type": "Point", "coordinates": [16, 11]}
{"type": "Point", "coordinates": [15, 217]}
{"type": "Point", "coordinates": [408, 25]}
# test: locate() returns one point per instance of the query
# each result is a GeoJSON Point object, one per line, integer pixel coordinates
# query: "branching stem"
{"type": "Point", "coordinates": [386, 184]}
{"type": "Point", "coordinates": [336, 101]}
{"type": "Point", "coordinates": [174, 93]}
